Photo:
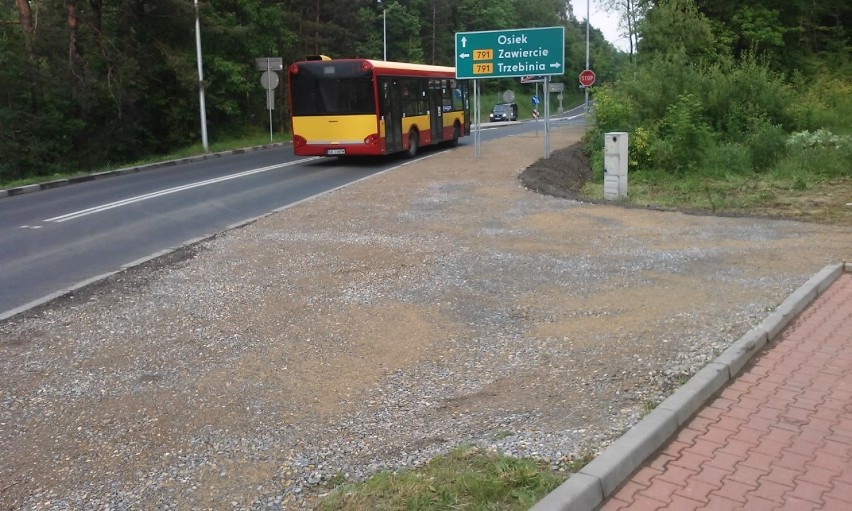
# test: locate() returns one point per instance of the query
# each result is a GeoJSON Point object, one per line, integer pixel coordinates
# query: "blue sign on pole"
{"type": "Point", "coordinates": [535, 100]}
{"type": "Point", "coordinates": [517, 52]}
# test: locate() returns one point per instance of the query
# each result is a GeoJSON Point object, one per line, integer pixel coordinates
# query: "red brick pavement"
{"type": "Point", "coordinates": [778, 437]}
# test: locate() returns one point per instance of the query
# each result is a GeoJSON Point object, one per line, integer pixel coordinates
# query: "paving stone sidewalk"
{"type": "Point", "coordinates": [779, 436]}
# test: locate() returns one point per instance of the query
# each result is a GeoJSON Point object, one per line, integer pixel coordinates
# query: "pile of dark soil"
{"type": "Point", "coordinates": [561, 175]}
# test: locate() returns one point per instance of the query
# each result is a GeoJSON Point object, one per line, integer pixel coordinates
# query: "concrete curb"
{"type": "Point", "coordinates": [593, 484]}
{"type": "Point", "coordinates": [20, 190]}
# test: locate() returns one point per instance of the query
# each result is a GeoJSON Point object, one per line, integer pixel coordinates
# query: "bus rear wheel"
{"type": "Point", "coordinates": [413, 143]}
{"type": "Point", "coordinates": [456, 134]}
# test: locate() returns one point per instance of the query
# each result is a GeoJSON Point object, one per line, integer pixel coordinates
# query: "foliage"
{"type": "Point", "coordinates": [693, 105]}
{"type": "Point", "coordinates": [737, 107]}
{"type": "Point", "coordinates": [683, 134]}
{"type": "Point", "coordinates": [118, 81]}
{"type": "Point", "coordinates": [676, 26]}
{"type": "Point", "coordinates": [820, 138]}
{"type": "Point", "coordinates": [822, 103]}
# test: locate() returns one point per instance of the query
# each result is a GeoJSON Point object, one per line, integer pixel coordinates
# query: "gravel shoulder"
{"type": "Point", "coordinates": [374, 327]}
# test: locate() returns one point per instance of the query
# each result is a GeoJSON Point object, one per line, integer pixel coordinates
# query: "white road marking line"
{"type": "Point", "coordinates": [139, 198]}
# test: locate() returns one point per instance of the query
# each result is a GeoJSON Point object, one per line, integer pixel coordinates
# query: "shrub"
{"type": "Point", "coordinates": [684, 135]}
{"type": "Point", "coordinates": [612, 110]}
{"type": "Point", "coordinates": [824, 103]}
{"type": "Point", "coordinates": [819, 138]}
{"type": "Point", "coordinates": [639, 148]}
{"type": "Point", "coordinates": [816, 154]}
{"type": "Point", "coordinates": [766, 143]}
{"type": "Point", "coordinates": [726, 158]}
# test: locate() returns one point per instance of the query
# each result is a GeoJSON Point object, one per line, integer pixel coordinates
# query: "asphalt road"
{"type": "Point", "coordinates": [60, 239]}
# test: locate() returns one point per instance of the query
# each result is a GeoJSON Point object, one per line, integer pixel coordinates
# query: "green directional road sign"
{"type": "Point", "coordinates": [517, 52]}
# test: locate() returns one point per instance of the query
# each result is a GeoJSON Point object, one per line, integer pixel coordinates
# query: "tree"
{"type": "Point", "coordinates": [630, 13]}
{"type": "Point", "coordinates": [86, 83]}
{"type": "Point", "coordinates": [676, 26]}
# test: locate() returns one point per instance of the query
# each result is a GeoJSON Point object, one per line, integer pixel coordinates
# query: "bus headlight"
{"type": "Point", "coordinates": [371, 139]}
{"type": "Point", "coordinates": [299, 141]}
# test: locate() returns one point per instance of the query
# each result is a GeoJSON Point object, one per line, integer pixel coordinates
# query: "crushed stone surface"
{"type": "Point", "coordinates": [374, 327]}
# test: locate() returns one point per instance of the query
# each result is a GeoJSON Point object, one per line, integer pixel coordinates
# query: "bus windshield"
{"type": "Point", "coordinates": [333, 88]}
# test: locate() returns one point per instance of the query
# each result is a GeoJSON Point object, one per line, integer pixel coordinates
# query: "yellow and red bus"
{"type": "Point", "coordinates": [351, 107]}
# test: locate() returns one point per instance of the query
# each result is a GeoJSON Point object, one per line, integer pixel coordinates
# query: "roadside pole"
{"type": "Point", "coordinates": [587, 56]}
{"type": "Point", "coordinates": [270, 101]}
{"type": "Point", "coordinates": [477, 128]}
{"type": "Point", "coordinates": [547, 117]}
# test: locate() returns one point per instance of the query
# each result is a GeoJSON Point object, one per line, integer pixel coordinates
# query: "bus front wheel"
{"type": "Point", "coordinates": [413, 143]}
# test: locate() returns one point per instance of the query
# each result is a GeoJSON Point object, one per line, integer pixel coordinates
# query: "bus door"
{"type": "Point", "coordinates": [436, 110]}
{"type": "Point", "coordinates": [392, 113]}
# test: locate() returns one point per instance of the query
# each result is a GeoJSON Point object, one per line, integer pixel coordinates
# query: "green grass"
{"type": "Point", "coordinates": [252, 140]}
{"type": "Point", "coordinates": [467, 478]}
{"type": "Point", "coordinates": [798, 198]}
{"type": "Point", "coordinates": [814, 184]}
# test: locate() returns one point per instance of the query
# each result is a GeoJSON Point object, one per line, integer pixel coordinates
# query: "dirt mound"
{"type": "Point", "coordinates": [561, 175]}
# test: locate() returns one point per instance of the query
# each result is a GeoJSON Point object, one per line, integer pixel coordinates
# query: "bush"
{"type": "Point", "coordinates": [612, 110]}
{"type": "Point", "coordinates": [639, 149]}
{"type": "Point", "coordinates": [683, 135]}
{"type": "Point", "coordinates": [819, 154]}
{"type": "Point", "coordinates": [726, 158]}
{"type": "Point", "coordinates": [767, 144]}
{"type": "Point", "coordinates": [824, 103]}
{"type": "Point", "coordinates": [818, 139]}
{"type": "Point", "coordinates": [734, 95]}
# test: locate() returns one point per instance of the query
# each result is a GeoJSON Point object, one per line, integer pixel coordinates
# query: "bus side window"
{"type": "Point", "coordinates": [409, 96]}
{"type": "Point", "coordinates": [385, 96]}
{"type": "Point", "coordinates": [458, 103]}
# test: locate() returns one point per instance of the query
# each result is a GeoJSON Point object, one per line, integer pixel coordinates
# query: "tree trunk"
{"type": "Point", "coordinates": [75, 57]}
{"type": "Point", "coordinates": [28, 28]}
{"type": "Point", "coordinates": [97, 14]}
{"type": "Point", "coordinates": [316, 29]}
{"type": "Point", "coordinates": [630, 26]}
{"type": "Point", "coordinates": [434, 22]}
{"type": "Point", "coordinates": [26, 17]}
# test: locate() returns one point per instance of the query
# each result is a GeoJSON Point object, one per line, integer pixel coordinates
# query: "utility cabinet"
{"type": "Point", "coordinates": [615, 165]}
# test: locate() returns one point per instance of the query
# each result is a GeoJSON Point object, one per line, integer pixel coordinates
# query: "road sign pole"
{"type": "Point", "coordinates": [201, 106]}
{"type": "Point", "coordinates": [587, 56]}
{"type": "Point", "coordinates": [547, 117]}
{"type": "Point", "coordinates": [272, 99]}
{"type": "Point", "coordinates": [477, 128]}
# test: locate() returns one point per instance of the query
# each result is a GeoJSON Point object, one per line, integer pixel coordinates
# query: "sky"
{"type": "Point", "coordinates": [601, 20]}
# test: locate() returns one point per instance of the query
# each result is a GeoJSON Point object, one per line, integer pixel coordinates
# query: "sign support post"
{"type": "Point", "coordinates": [475, 120]}
{"type": "Point", "coordinates": [201, 104]}
{"type": "Point", "coordinates": [547, 117]}
{"type": "Point", "coordinates": [269, 80]}
{"type": "Point", "coordinates": [270, 102]}
{"type": "Point", "coordinates": [587, 55]}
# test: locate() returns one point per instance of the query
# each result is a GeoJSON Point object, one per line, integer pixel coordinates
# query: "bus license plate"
{"type": "Point", "coordinates": [335, 151]}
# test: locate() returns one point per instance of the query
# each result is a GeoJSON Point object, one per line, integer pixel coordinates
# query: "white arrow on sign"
{"type": "Point", "coordinates": [464, 55]}
{"type": "Point", "coordinates": [556, 65]}
{"type": "Point", "coordinates": [464, 41]}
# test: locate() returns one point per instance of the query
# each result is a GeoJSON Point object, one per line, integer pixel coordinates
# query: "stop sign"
{"type": "Point", "coordinates": [587, 78]}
